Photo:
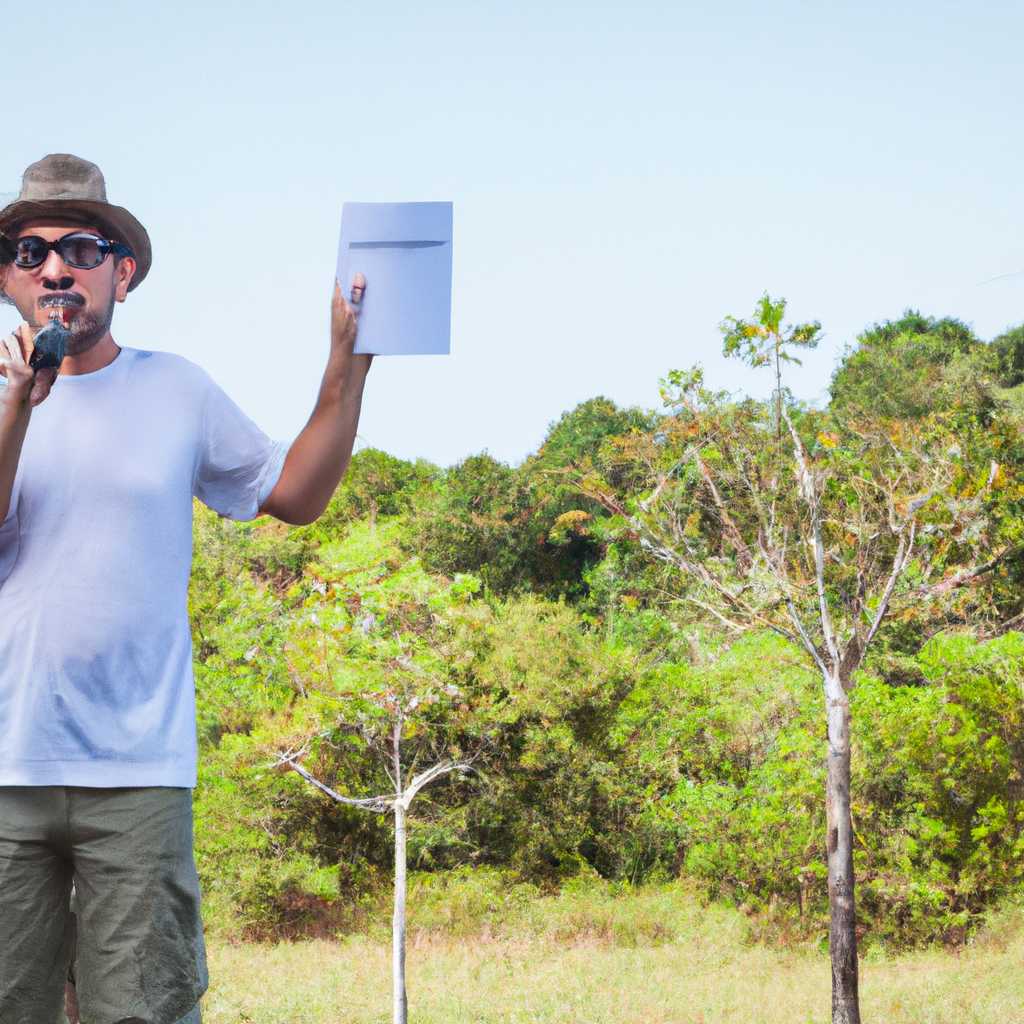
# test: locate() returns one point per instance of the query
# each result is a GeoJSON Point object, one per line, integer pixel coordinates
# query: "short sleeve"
{"type": "Point", "coordinates": [9, 537]}
{"type": "Point", "coordinates": [8, 542]}
{"type": "Point", "coordinates": [9, 527]}
{"type": "Point", "coordinates": [237, 465]}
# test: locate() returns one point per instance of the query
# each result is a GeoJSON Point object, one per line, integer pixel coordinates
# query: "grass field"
{"type": "Point", "coordinates": [659, 958]}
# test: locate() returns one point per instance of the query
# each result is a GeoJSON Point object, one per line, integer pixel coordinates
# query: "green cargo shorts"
{"type": "Point", "coordinates": [138, 955]}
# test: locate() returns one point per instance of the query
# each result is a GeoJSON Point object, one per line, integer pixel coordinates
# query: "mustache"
{"type": "Point", "coordinates": [61, 299]}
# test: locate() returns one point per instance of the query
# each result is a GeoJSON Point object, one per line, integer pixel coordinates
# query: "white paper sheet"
{"type": "Point", "coordinates": [405, 251]}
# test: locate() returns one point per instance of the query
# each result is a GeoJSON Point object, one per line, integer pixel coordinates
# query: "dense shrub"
{"type": "Point", "coordinates": [643, 750]}
{"type": "Point", "coordinates": [911, 367]}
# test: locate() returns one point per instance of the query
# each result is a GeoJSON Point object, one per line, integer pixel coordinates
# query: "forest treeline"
{"type": "Point", "coordinates": [619, 727]}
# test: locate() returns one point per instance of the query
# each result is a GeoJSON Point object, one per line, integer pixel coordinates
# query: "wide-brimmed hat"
{"type": "Point", "coordinates": [71, 189]}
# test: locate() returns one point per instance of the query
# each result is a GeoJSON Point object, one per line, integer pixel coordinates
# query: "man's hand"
{"type": "Point", "coordinates": [15, 351]}
{"type": "Point", "coordinates": [344, 316]}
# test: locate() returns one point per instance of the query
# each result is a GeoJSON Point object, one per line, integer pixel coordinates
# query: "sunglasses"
{"type": "Point", "coordinates": [79, 249]}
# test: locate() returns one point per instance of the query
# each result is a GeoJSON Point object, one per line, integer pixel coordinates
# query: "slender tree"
{"type": "Point", "coordinates": [815, 539]}
{"type": "Point", "coordinates": [764, 341]}
{"type": "Point", "coordinates": [385, 732]}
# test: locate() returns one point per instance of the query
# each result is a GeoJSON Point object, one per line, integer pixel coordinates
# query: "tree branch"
{"type": "Point", "coordinates": [430, 774]}
{"type": "Point", "coordinates": [967, 575]}
{"type": "Point", "coordinates": [378, 804]}
{"type": "Point", "coordinates": [728, 525]}
{"type": "Point", "coordinates": [808, 492]}
{"type": "Point", "coordinates": [899, 563]}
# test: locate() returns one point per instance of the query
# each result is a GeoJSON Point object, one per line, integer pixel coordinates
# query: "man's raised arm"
{"type": "Point", "coordinates": [319, 456]}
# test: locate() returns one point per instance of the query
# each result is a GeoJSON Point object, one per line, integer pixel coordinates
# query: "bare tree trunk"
{"type": "Point", "coordinates": [778, 394]}
{"type": "Point", "coordinates": [401, 1006]}
{"type": "Point", "coordinates": [400, 1014]}
{"type": "Point", "coordinates": [843, 914]}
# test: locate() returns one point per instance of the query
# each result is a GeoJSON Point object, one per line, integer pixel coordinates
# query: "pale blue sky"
{"type": "Point", "coordinates": [622, 178]}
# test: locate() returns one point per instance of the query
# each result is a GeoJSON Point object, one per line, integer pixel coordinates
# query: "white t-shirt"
{"type": "Point", "coordinates": [96, 683]}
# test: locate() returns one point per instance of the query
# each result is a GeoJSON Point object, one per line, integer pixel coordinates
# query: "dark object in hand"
{"type": "Point", "coordinates": [50, 345]}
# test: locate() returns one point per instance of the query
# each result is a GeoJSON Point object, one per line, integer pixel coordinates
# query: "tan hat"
{"type": "Point", "coordinates": [71, 189]}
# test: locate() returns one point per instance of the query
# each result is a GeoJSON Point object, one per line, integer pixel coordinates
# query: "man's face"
{"type": "Point", "coordinates": [84, 298]}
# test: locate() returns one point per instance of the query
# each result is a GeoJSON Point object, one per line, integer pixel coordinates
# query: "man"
{"type": "Point", "coordinates": [99, 464]}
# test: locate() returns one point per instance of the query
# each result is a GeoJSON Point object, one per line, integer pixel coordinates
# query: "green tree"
{"type": "Point", "coordinates": [388, 723]}
{"type": "Point", "coordinates": [824, 537]}
{"type": "Point", "coordinates": [1008, 357]}
{"type": "Point", "coordinates": [475, 520]}
{"type": "Point", "coordinates": [376, 484]}
{"type": "Point", "coordinates": [764, 341]}
{"type": "Point", "coordinates": [911, 367]}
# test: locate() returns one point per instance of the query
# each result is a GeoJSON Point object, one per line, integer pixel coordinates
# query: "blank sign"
{"type": "Point", "coordinates": [405, 252]}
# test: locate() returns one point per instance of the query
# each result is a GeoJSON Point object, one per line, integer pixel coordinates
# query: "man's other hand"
{"type": "Point", "coordinates": [15, 351]}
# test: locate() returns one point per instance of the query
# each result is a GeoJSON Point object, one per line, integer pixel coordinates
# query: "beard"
{"type": "Point", "coordinates": [86, 328]}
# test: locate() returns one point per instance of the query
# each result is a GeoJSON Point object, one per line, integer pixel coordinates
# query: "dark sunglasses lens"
{"type": "Point", "coordinates": [82, 251]}
{"type": "Point", "coordinates": [30, 252]}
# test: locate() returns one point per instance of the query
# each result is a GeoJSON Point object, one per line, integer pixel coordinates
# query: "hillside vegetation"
{"type": "Point", "coordinates": [621, 733]}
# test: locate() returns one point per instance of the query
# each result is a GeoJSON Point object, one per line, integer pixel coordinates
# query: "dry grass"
{"type": "Point", "coordinates": [706, 974]}
{"type": "Point", "coordinates": [707, 977]}
{"type": "Point", "coordinates": [537, 982]}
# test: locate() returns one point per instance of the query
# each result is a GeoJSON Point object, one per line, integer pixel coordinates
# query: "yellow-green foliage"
{"type": "Point", "coordinates": [732, 757]}
{"type": "Point", "coordinates": [620, 730]}
{"type": "Point", "coordinates": [624, 750]}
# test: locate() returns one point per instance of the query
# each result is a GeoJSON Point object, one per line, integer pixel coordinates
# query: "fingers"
{"type": "Point", "coordinates": [20, 376]}
{"type": "Point", "coordinates": [358, 290]}
{"type": "Point", "coordinates": [14, 368]}
{"type": "Point", "coordinates": [11, 359]}
{"type": "Point", "coordinates": [343, 316]}
{"type": "Point", "coordinates": [344, 321]}
{"type": "Point", "coordinates": [23, 335]}
{"type": "Point", "coordinates": [356, 293]}
{"type": "Point", "coordinates": [12, 349]}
